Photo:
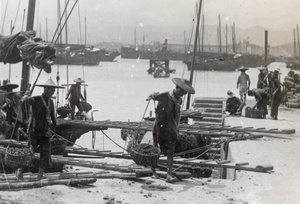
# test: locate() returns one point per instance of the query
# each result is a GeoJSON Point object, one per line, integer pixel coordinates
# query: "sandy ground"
{"type": "Point", "coordinates": [279, 186]}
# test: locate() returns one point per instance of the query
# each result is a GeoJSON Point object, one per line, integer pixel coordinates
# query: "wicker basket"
{"type": "Point", "coordinates": [141, 155]}
{"type": "Point", "coordinates": [16, 157]}
{"type": "Point", "coordinates": [58, 146]}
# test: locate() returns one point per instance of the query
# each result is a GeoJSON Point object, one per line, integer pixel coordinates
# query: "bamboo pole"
{"type": "Point", "coordinates": [44, 182]}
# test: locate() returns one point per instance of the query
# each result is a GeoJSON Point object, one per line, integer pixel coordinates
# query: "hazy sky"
{"type": "Point", "coordinates": [276, 15]}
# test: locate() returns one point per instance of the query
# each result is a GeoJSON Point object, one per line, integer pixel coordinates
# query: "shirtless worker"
{"type": "Point", "coordinates": [243, 83]}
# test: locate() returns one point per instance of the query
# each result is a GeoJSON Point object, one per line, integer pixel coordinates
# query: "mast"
{"type": "Point", "coordinates": [66, 24]}
{"type": "Point", "coordinates": [85, 30]}
{"type": "Point", "coordinates": [202, 35]}
{"type": "Point", "coordinates": [298, 41]}
{"type": "Point", "coordinates": [135, 39]}
{"type": "Point", "coordinates": [295, 46]}
{"type": "Point", "coordinates": [194, 54]}
{"type": "Point", "coordinates": [233, 38]}
{"type": "Point", "coordinates": [226, 40]}
{"type": "Point", "coordinates": [46, 29]}
{"type": "Point", "coordinates": [185, 50]}
{"type": "Point", "coordinates": [220, 37]}
{"type": "Point", "coordinates": [143, 42]}
{"type": "Point", "coordinates": [25, 66]}
{"type": "Point", "coordinates": [266, 48]}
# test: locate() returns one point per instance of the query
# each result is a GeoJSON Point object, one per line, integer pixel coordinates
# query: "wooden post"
{"type": "Point", "coordinates": [25, 66]}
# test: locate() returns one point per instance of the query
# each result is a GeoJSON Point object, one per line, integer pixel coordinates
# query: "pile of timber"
{"type": "Point", "coordinates": [292, 84]}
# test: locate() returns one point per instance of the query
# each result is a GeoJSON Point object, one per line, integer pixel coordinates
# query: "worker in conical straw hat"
{"type": "Point", "coordinates": [233, 104]}
{"type": "Point", "coordinates": [13, 108]}
{"type": "Point", "coordinates": [243, 83]}
{"type": "Point", "coordinates": [43, 120]}
{"type": "Point", "coordinates": [165, 131]}
{"type": "Point", "coordinates": [275, 93]}
{"type": "Point", "coordinates": [262, 81]}
{"type": "Point", "coordinates": [75, 96]}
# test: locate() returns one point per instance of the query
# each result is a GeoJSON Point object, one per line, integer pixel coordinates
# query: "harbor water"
{"type": "Point", "coordinates": [118, 90]}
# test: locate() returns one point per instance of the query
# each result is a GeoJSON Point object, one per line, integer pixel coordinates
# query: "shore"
{"type": "Point", "coordinates": [279, 186]}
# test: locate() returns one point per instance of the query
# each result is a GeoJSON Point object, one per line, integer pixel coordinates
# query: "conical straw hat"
{"type": "Point", "coordinates": [50, 83]}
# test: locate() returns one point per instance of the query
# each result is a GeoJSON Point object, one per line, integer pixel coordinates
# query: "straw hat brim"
{"type": "Point", "coordinates": [9, 86]}
{"type": "Point", "coordinates": [79, 81]}
{"type": "Point", "coordinates": [262, 68]}
{"type": "Point", "coordinates": [184, 84]}
{"type": "Point", "coordinates": [242, 68]}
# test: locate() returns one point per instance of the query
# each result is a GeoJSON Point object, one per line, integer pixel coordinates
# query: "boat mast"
{"type": "Point", "coordinates": [25, 66]}
{"type": "Point", "coordinates": [202, 35]}
{"type": "Point", "coordinates": [194, 54]}
{"type": "Point", "coordinates": [46, 29]}
{"type": "Point", "coordinates": [135, 39]}
{"type": "Point", "coordinates": [266, 48]}
{"type": "Point", "coordinates": [298, 41]}
{"type": "Point", "coordinates": [220, 38]}
{"type": "Point", "coordinates": [233, 38]}
{"type": "Point", "coordinates": [226, 40]}
{"type": "Point", "coordinates": [295, 46]}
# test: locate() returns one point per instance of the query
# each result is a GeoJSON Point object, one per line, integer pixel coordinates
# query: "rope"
{"type": "Point", "coordinates": [112, 140]}
{"type": "Point", "coordinates": [59, 24]}
{"type": "Point", "coordinates": [208, 148]}
{"type": "Point", "coordinates": [13, 27]}
{"type": "Point", "coordinates": [64, 138]}
{"type": "Point", "coordinates": [4, 17]}
{"type": "Point", "coordinates": [65, 22]}
{"type": "Point", "coordinates": [138, 129]}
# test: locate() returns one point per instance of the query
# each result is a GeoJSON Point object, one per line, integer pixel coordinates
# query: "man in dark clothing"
{"type": "Point", "coordinates": [276, 94]}
{"type": "Point", "coordinates": [165, 131]}
{"type": "Point", "coordinates": [43, 116]}
{"type": "Point", "coordinates": [13, 107]}
{"type": "Point", "coordinates": [262, 78]}
{"type": "Point", "coordinates": [262, 99]}
{"type": "Point", "coordinates": [75, 96]}
{"type": "Point", "coordinates": [233, 104]}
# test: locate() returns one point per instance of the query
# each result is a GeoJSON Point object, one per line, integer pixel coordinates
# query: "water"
{"type": "Point", "coordinates": [118, 90]}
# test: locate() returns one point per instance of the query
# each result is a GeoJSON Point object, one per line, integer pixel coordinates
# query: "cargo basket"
{"type": "Point", "coordinates": [18, 157]}
{"type": "Point", "coordinates": [145, 154]}
{"type": "Point", "coordinates": [58, 145]}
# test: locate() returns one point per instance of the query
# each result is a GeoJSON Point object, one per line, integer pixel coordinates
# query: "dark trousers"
{"type": "Point", "coordinates": [40, 142]}
{"type": "Point", "coordinates": [275, 104]}
{"type": "Point", "coordinates": [263, 104]}
{"type": "Point", "coordinates": [73, 104]}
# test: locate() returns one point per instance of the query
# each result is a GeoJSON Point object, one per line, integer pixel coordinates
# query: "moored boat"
{"type": "Point", "coordinates": [73, 54]}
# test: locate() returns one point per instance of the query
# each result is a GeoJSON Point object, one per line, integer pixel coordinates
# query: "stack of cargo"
{"type": "Point", "coordinates": [292, 84]}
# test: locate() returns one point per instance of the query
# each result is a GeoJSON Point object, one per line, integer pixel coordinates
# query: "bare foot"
{"type": "Point", "coordinates": [170, 179]}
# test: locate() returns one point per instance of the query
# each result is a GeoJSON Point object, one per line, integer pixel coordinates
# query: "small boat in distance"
{"type": "Point", "coordinates": [76, 54]}
{"type": "Point", "coordinates": [108, 56]}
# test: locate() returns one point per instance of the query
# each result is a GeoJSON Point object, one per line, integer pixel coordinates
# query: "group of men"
{"type": "Point", "coordinates": [41, 119]}
{"type": "Point", "coordinates": [267, 92]}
